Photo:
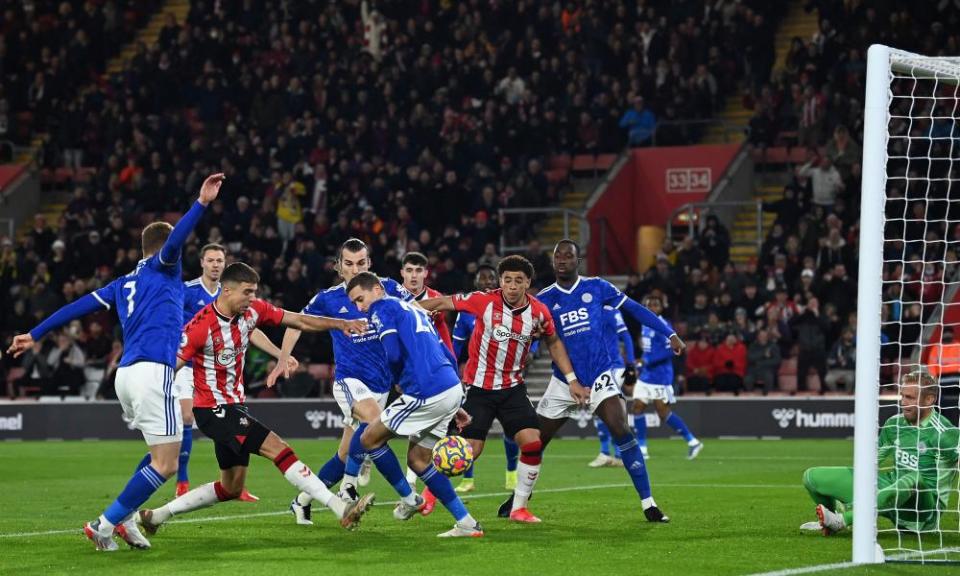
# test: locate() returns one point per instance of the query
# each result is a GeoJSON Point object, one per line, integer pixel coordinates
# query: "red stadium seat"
{"type": "Point", "coordinates": [583, 163]}
{"type": "Point", "coordinates": [605, 162]}
{"type": "Point", "coordinates": [787, 375]}
{"type": "Point", "coordinates": [561, 162]}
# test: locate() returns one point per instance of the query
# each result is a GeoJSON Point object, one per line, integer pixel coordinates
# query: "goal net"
{"type": "Point", "coordinates": [908, 360]}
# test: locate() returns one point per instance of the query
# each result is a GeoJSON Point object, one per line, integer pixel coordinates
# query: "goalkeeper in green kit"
{"type": "Point", "coordinates": [918, 451]}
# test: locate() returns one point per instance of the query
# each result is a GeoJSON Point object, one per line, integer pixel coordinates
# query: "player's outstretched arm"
{"type": "Point", "coordinates": [170, 253]}
{"type": "Point", "coordinates": [559, 354]}
{"type": "Point", "coordinates": [261, 341]}
{"type": "Point", "coordinates": [76, 309]}
{"type": "Point", "coordinates": [308, 323]}
{"type": "Point", "coordinates": [439, 304]}
{"type": "Point", "coordinates": [290, 339]}
{"type": "Point", "coordinates": [643, 315]}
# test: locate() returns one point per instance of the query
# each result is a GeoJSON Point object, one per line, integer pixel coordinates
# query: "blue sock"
{"type": "Point", "coordinates": [388, 465]}
{"type": "Point", "coordinates": [604, 434]}
{"type": "Point", "coordinates": [332, 471]}
{"type": "Point", "coordinates": [186, 445]}
{"type": "Point", "coordinates": [512, 452]}
{"type": "Point", "coordinates": [138, 490]}
{"type": "Point", "coordinates": [468, 475]}
{"type": "Point", "coordinates": [640, 425]}
{"type": "Point", "coordinates": [356, 453]}
{"type": "Point", "coordinates": [633, 462]}
{"type": "Point", "coordinates": [442, 488]}
{"type": "Point", "coordinates": [144, 463]}
{"type": "Point", "coordinates": [680, 426]}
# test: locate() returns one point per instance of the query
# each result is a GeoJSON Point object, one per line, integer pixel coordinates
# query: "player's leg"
{"type": "Point", "coordinates": [606, 401]}
{"type": "Point", "coordinates": [330, 473]}
{"type": "Point", "coordinates": [365, 408]}
{"type": "Point", "coordinates": [481, 405]}
{"type": "Point", "coordinates": [520, 421]}
{"type": "Point", "coordinates": [371, 440]}
{"type": "Point", "coordinates": [603, 434]}
{"type": "Point", "coordinates": [672, 419]}
{"type": "Point", "coordinates": [300, 475]}
{"type": "Point", "coordinates": [233, 473]}
{"type": "Point", "coordinates": [512, 453]}
{"type": "Point", "coordinates": [425, 425]}
{"type": "Point", "coordinates": [145, 391]}
{"type": "Point", "coordinates": [829, 486]}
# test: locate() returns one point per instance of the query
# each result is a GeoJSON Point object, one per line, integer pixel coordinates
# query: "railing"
{"type": "Point", "coordinates": [7, 227]}
{"type": "Point", "coordinates": [684, 128]}
{"type": "Point", "coordinates": [694, 216]}
{"type": "Point", "coordinates": [582, 226]}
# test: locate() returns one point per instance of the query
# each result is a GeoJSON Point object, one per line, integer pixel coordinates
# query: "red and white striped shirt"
{"type": "Point", "coordinates": [217, 345]}
{"type": "Point", "coordinates": [501, 338]}
{"type": "Point", "coordinates": [439, 320]}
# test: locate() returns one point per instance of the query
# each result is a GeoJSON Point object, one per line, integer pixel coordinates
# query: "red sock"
{"type": "Point", "coordinates": [285, 460]}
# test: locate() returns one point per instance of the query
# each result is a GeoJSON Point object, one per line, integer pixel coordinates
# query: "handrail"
{"type": "Point", "coordinates": [728, 127]}
{"type": "Point", "coordinates": [567, 215]}
{"type": "Point", "coordinates": [706, 207]}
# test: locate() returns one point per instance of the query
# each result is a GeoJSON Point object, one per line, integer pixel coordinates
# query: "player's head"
{"type": "Point", "coordinates": [238, 283]}
{"type": "Point", "coordinates": [364, 289]}
{"type": "Point", "coordinates": [213, 258]}
{"type": "Point", "coordinates": [486, 278]}
{"type": "Point", "coordinates": [352, 258]}
{"type": "Point", "coordinates": [566, 259]}
{"type": "Point", "coordinates": [515, 274]}
{"type": "Point", "coordinates": [654, 303]}
{"type": "Point", "coordinates": [413, 269]}
{"type": "Point", "coordinates": [153, 237]}
{"type": "Point", "coordinates": [919, 393]}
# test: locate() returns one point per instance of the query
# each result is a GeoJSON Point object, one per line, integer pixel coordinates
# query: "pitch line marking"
{"type": "Point", "coordinates": [466, 498]}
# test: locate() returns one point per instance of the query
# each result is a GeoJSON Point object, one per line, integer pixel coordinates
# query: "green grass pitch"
{"type": "Point", "coordinates": [735, 510]}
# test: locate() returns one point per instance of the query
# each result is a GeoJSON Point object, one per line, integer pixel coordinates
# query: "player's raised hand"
{"type": "Point", "coordinates": [211, 187]}
{"type": "Point", "coordinates": [677, 344]}
{"type": "Point", "coordinates": [21, 343]}
{"type": "Point", "coordinates": [579, 394]}
{"type": "Point", "coordinates": [280, 369]}
{"type": "Point", "coordinates": [352, 327]}
{"type": "Point", "coordinates": [462, 419]}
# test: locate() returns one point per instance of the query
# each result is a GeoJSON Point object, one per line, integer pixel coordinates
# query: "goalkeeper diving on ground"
{"type": "Point", "coordinates": [917, 458]}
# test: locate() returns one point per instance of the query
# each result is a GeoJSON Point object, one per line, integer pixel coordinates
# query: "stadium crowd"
{"type": "Point", "coordinates": [381, 121]}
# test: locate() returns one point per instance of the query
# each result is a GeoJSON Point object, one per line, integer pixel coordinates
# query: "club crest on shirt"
{"type": "Point", "coordinates": [587, 298]}
{"type": "Point", "coordinates": [497, 316]}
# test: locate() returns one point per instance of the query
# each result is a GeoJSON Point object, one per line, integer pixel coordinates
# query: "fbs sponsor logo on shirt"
{"type": "Point", "coordinates": [797, 418]}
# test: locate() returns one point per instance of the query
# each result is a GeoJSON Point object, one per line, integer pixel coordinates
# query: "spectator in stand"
{"type": "Point", "coordinates": [844, 152]}
{"type": "Point", "coordinates": [810, 328]}
{"type": "Point", "coordinates": [944, 358]}
{"type": "Point", "coordinates": [763, 364]}
{"type": "Point", "coordinates": [729, 365]}
{"type": "Point", "coordinates": [66, 360]}
{"type": "Point", "coordinates": [842, 363]}
{"type": "Point", "coordinates": [700, 365]}
{"type": "Point", "coordinates": [640, 123]}
{"type": "Point", "coordinates": [715, 242]}
{"type": "Point", "coordinates": [825, 180]}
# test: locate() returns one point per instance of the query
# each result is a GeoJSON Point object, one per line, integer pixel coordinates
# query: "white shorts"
{"type": "Point", "coordinates": [423, 420]}
{"type": "Point", "coordinates": [349, 391]}
{"type": "Point", "coordinates": [145, 391]}
{"type": "Point", "coordinates": [183, 383]}
{"type": "Point", "coordinates": [647, 393]}
{"type": "Point", "coordinates": [618, 375]}
{"type": "Point", "coordinates": [557, 402]}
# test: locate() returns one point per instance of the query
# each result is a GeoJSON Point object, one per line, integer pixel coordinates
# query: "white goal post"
{"type": "Point", "coordinates": [912, 102]}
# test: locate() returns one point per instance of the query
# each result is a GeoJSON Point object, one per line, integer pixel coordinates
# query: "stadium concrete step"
{"type": "Point", "coordinates": [150, 33]}
{"type": "Point", "coordinates": [798, 23]}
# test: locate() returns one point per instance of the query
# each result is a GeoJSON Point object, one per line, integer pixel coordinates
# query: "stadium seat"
{"type": "Point", "coordinates": [13, 375]}
{"type": "Point", "coordinates": [561, 162]}
{"type": "Point", "coordinates": [814, 385]}
{"type": "Point", "coordinates": [787, 375]}
{"type": "Point", "coordinates": [605, 162]}
{"type": "Point", "coordinates": [583, 163]}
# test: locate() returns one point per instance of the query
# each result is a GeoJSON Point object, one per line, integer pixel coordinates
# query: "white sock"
{"type": "Point", "coordinates": [412, 478]}
{"type": "Point", "coordinates": [468, 521]}
{"type": "Point", "coordinates": [299, 475]}
{"type": "Point", "coordinates": [527, 475]}
{"type": "Point", "coordinates": [304, 499]}
{"type": "Point", "coordinates": [199, 497]}
{"type": "Point", "coordinates": [648, 503]}
{"type": "Point", "coordinates": [351, 480]}
{"type": "Point", "coordinates": [693, 442]}
{"type": "Point", "coordinates": [106, 527]}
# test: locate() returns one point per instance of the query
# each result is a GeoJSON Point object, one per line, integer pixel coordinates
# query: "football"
{"type": "Point", "coordinates": [452, 455]}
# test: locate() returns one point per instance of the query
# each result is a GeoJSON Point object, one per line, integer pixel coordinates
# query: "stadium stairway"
{"type": "Point", "coordinates": [55, 203]}
{"type": "Point", "coordinates": [743, 233]}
